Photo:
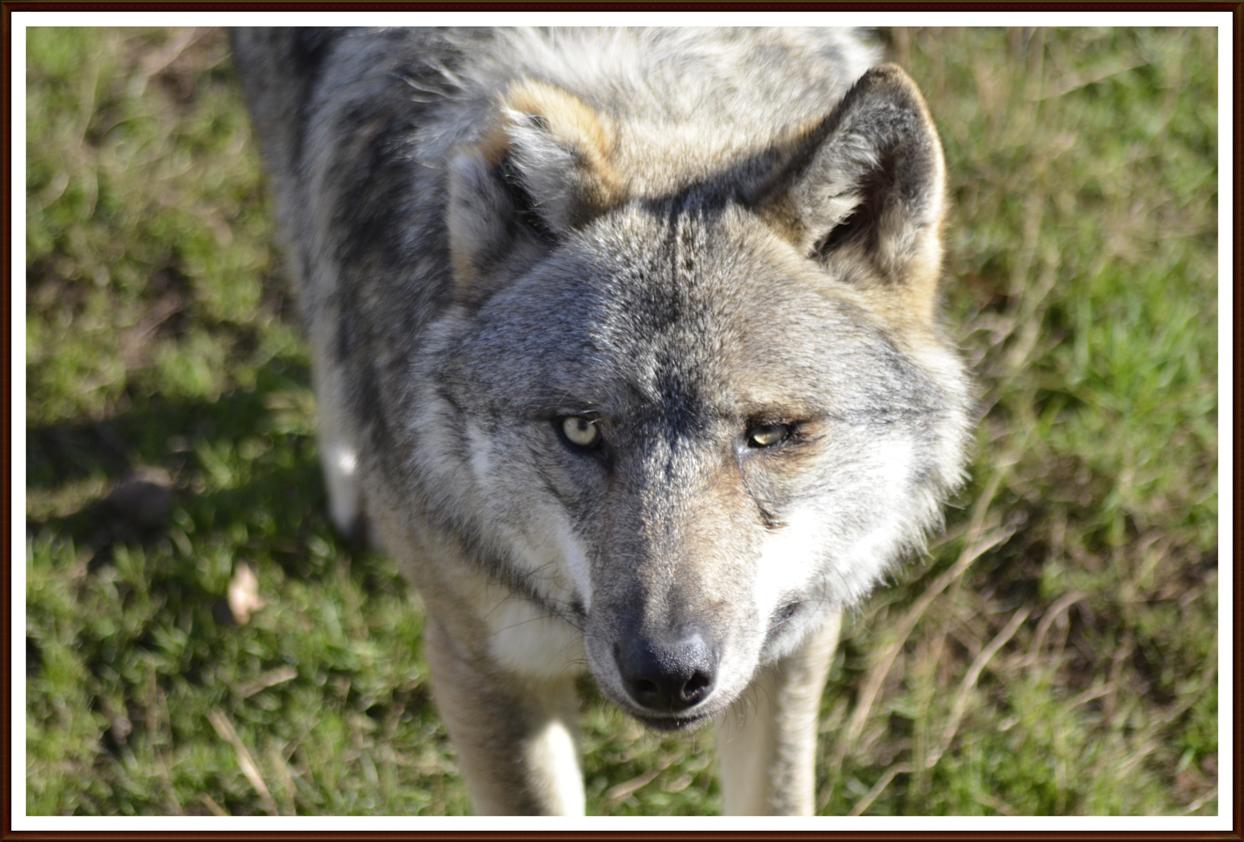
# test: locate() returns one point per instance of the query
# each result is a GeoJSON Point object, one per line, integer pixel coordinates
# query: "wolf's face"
{"type": "Point", "coordinates": [703, 420]}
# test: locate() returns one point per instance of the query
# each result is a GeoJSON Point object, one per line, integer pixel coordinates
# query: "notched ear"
{"type": "Point", "coordinates": [867, 183]}
{"type": "Point", "coordinates": [542, 170]}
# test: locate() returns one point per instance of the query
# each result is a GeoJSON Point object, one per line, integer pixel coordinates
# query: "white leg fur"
{"type": "Point", "coordinates": [553, 757]}
{"type": "Point", "coordinates": [338, 449]}
{"type": "Point", "coordinates": [766, 747]}
{"type": "Point", "coordinates": [515, 745]}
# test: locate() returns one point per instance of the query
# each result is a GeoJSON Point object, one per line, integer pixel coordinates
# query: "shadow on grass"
{"type": "Point", "coordinates": [159, 548]}
{"type": "Point", "coordinates": [150, 458]}
{"type": "Point", "coordinates": [157, 431]}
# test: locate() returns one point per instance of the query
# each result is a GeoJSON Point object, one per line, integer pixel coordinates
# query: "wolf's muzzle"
{"type": "Point", "coordinates": [667, 676]}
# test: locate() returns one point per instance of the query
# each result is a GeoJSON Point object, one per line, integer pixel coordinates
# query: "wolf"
{"type": "Point", "coordinates": [626, 345]}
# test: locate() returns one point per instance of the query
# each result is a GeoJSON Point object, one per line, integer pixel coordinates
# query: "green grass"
{"type": "Point", "coordinates": [1055, 654]}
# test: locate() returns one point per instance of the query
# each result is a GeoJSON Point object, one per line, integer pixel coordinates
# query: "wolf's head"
{"type": "Point", "coordinates": [700, 415]}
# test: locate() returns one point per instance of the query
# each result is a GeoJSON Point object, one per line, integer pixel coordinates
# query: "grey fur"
{"type": "Point", "coordinates": [681, 234]}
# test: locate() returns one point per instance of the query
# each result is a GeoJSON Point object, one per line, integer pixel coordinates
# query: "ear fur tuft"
{"type": "Point", "coordinates": [540, 172]}
{"type": "Point", "coordinates": [561, 149]}
{"type": "Point", "coordinates": [867, 184]}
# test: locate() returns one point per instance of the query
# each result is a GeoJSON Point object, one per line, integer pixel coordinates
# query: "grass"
{"type": "Point", "coordinates": [1055, 654]}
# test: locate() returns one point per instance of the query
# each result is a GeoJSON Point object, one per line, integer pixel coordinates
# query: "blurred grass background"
{"type": "Point", "coordinates": [1055, 654]}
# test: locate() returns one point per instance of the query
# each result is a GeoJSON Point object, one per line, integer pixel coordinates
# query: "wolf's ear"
{"type": "Point", "coordinates": [543, 170]}
{"type": "Point", "coordinates": [867, 183]}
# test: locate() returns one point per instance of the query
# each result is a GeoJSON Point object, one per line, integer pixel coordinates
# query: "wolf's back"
{"type": "Point", "coordinates": [278, 68]}
{"type": "Point", "coordinates": [767, 77]}
{"type": "Point", "coordinates": [357, 127]}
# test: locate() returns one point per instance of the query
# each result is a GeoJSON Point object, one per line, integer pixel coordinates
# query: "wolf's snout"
{"type": "Point", "coordinates": [667, 676]}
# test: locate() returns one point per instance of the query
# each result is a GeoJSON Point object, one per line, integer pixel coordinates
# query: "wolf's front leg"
{"type": "Point", "coordinates": [514, 737]}
{"type": "Point", "coordinates": [767, 746]}
{"type": "Point", "coordinates": [335, 433]}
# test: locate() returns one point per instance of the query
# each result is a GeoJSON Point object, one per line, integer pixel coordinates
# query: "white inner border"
{"type": "Point", "coordinates": [1222, 21]}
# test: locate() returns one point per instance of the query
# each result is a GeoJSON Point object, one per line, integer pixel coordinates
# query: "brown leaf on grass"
{"type": "Point", "coordinates": [243, 595]}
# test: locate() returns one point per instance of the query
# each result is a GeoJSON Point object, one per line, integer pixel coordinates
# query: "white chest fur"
{"type": "Point", "coordinates": [523, 638]}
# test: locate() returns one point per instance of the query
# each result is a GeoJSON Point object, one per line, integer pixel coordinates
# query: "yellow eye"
{"type": "Point", "coordinates": [580, 431]}
{"type": "Point", "coordinates": [767, 435]}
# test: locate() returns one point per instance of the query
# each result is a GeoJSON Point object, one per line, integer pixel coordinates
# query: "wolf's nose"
{"type": "Point", "coordinates": [667, 676]}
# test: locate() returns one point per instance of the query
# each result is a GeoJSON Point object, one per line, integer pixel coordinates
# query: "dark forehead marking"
{"type": "Point", "coordinates": [682, 413]}
{"type": "Point", "coordinates": [659, 299]}
{"type": "Point", "coordinates": [676, 325]}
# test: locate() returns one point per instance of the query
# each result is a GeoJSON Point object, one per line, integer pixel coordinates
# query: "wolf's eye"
{"type": "Point", "coordinates": [579, 431]}
{"type": "Point", "coordinates": [767, 435]}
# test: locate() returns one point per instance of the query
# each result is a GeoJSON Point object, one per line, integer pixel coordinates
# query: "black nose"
{"type": "Point", "coordinates": [667, 676]}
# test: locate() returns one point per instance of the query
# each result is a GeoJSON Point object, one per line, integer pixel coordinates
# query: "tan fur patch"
{"type": "Point", "coordinates": [494, 145]}
{"type": "Point", "coordinates": [568, 117]}
{"type": "Point", "coordinates": [573, 121]}
{"type": "Point", "coordinates": [592, 186]}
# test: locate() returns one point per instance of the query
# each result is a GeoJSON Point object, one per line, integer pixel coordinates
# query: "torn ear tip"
{"type": "Point", "coordinates": [890, 75]}
{"type": "Point", "coordinates": [895, 79]}
{"type": "Point", "coordinates": [888, 70]}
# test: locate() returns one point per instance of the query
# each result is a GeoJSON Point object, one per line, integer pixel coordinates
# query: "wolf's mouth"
{"type": "Point", "coordinates": [674, 723]}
